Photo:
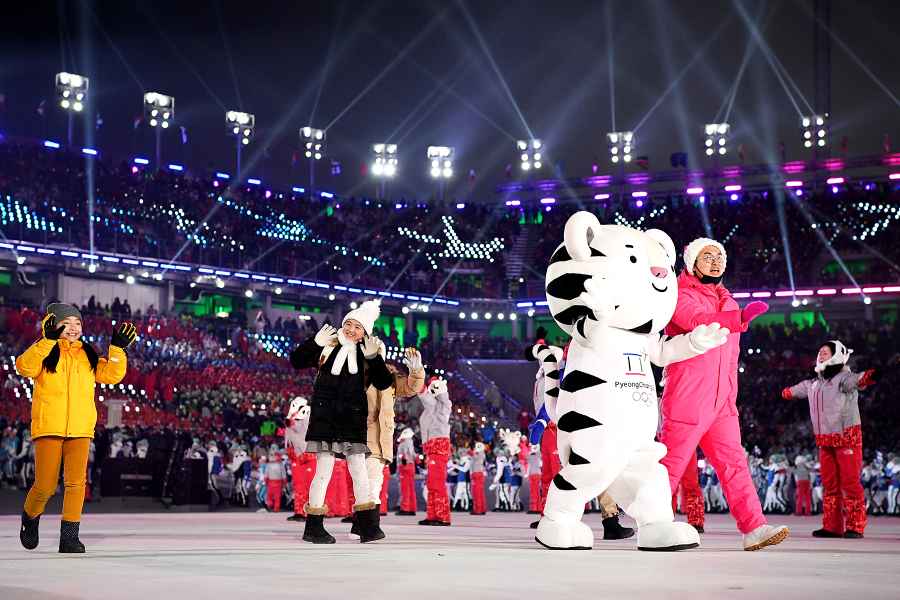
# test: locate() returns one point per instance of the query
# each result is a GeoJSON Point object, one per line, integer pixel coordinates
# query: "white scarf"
{"type": "Point", "coordinates": [346, 354]}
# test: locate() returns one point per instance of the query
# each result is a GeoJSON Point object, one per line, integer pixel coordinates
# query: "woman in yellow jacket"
{"type": "Point", "coordinates": [63, 414]}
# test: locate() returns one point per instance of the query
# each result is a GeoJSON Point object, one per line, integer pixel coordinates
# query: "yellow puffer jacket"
{"type": "Point", "coordinates": [63, 402]}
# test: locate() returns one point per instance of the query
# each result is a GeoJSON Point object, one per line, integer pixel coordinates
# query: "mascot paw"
{"type": "Point", "coordinates": [707, 337]}
{"type": "Point", "coordinates": [667, 537]}
{"type": "Point", "coordinates": [564, 536]}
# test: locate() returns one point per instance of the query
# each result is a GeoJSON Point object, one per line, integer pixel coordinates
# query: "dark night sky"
{"type": "Point", "coordinates": [553, 55]}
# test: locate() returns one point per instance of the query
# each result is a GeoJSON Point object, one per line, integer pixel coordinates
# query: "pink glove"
{"type": "Point", "coordinates": [753, 310]}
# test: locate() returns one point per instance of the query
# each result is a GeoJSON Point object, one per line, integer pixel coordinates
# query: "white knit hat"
{"type": "Point", "coordinates": [693, 249]}
{"type": "Point", "coordinates": [366, 314]}
{"type": "Point", "coordinates": [840, 357]}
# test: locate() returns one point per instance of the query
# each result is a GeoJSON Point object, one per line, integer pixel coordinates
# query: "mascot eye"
{"type": "Point", "coordinates": [633, 259]}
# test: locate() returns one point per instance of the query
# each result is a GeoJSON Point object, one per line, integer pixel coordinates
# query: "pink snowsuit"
{"type": "Point", "coordinates": [698, 403]}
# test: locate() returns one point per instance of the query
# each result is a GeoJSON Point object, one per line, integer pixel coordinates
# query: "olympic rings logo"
{"type": "Point", "coordinates": [643, 397]}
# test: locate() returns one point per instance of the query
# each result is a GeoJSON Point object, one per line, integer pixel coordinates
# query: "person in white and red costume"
{"type": "Point", "coordinates": [834, 410]}
{"type": "Point", "coordinates": [303, 463]}
{"type": "Point", "coordinates": [434, 423]}
{"type": "Point", "coordinates": [406, 471]}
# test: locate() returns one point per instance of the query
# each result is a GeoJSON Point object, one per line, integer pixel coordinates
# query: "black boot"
{"type": "Point", "coordinates": [314, 531]}
{"type": "Point", "coordinates": [534, 524]}
{"type": "Point", "coordinates": [405, 513]}
{"type": "Point", "coordinates": [348, 519]}
{"type": "Point", "coordinates": [28, 534]}
{"type": "Point", "coordinates": [699, 528]}
{"type": "Point", "coordinates": [613, 530]}
{"type": "Point", "coordinates": [426, 522]}
{"type": "Point", "coordinates": [369, 521]}
{"type": "Point", "coordinates": [354, 529]}
{"type": "Point", "coordinates": [296, 517]}
{"type": "Point", "coordinates": [824, 533]}
{"type": "Point", "coordinates": [68, 538]}
{"type": "Point", "coordinates": [852, 535]}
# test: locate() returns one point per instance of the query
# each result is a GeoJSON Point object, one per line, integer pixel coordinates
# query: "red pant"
{"type": "Point", "coordinates": [719, 436]}
{"type": "Point", "coordinates": [550, 461]}
{"type": "Point", "coordinates": [535, 500]}
{"type": "Point", "coordinates": [385, 481]}
{"type": "Point", "coordinates": [303, 469]}
{"type": "Point", "coordinates": [479, 504]}
{"type": "Point", "coordinates": [437, 452]}
{"type": "Point", "coordinates": [407, 487]}
{"type": "Point", "coordinates": [692, 497]}
{"type": "Point", "coordinates": [803, 498]}
{"type": "Point", "coordinates": [844, 503]}
{"type": "Point", "coordinates": [273, 493]}
{"type": "Point", "coordinates": [337, 496]}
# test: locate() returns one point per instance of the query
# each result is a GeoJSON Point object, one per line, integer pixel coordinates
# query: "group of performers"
{"type": "Point", "coordinates": [597, 438]}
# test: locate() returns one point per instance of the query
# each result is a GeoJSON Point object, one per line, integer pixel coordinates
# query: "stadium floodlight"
{"type": "Point", "coordinates": [159, 109]}
{"type": "Point", "coordinates": [313, 141]}
{"type": "Point", "coordinates": [621, 146]}
{"type": "Point", "coordinates": [385, 164]}
{"type": "Point", "coordinates": [530, 154]}
{"type": "Point", "coordinates": [241, 125]}
{"type": "Point", "coordinates": [814, 129]}
{"type": "Point", "coordinates": [716, 138]}
{"type": "Point", "coordinates": [72, 90]}
{"type": "Point", "coordinates": [440, 159]}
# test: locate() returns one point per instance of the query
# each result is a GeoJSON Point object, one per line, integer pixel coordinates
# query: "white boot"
{"type": "Point", "coordinates": [568, 535]}
{"type": "Point", "coordinates": [667, 537]}
{"type": "Point", "coordinates": [765, 535]}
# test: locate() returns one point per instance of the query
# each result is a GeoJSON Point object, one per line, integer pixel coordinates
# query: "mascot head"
{"type": "Point", "coordinates": [299, 409]}
{"type": "Point", "coordinates": [630, 272]}
{"type": "Point", "coordinates": [437, 386]}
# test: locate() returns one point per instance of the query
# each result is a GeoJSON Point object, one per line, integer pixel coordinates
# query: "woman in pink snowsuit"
{"type": "Point", "coordinates": [698, 402]}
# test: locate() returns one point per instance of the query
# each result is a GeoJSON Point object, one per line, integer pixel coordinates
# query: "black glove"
{"type": "Point", "coordinates": [123, 336]}
{"type": "Point", "coordinates": [51, 331]}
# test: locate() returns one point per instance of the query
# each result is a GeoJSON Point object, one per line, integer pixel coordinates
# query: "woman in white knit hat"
{"type": "Point", "coordinates": [348, 362]}
{"type": "Point", "coordinates": [698, 403]}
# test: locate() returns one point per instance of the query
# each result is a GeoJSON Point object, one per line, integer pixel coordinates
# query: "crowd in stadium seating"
{"type": "Point", "coordinates": [369, 242]}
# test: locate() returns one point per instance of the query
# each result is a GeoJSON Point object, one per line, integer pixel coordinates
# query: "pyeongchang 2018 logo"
{"type": "Point", "coordinates": [634, 364]}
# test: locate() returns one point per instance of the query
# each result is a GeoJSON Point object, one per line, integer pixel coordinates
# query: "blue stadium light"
{"type": "Point", "coordinates": [140, 160]}
{"type": "Point", "coordinates": [89, 151]}
{"type": "Point", "coordinates": [174, 167]}
{"type": "Point", "coordinates": [460, 206]}
{"type": "Point", "coordinates": [222, 175]}
{"type": "Point", "coordinates": [298, 190]}
{"type": "Point", "coordinates": [326, 194]}
{"type": "Point", "coordinates": [254, 181]}
{"type": "Point", "coordinates": [51, 144]}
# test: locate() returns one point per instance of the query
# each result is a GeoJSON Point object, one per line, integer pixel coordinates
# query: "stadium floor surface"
{"type": "Point", "coordinates": [248, 555]}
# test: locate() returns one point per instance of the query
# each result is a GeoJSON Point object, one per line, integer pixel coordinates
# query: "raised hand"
{"type": "Point", "coordinates": [370, 347]}
{"type": "Point", "coordinates": [123, 335]}
{"type": "Point", "coordinates": [753, 310]}
{"type": "Point", "coordinates": [707, 337]}
{"type": "Point", "coordinates": [413, 360]}
{"type": "Point", "coordinates": [49, 328]}
{"type": "Point", "coordinates": [326, 335]}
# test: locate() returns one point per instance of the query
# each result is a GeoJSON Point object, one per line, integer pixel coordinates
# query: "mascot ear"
{"type": "Point", "coordinates": [665, 241]}
{"type": "Point", "coordinates": [575, 235]}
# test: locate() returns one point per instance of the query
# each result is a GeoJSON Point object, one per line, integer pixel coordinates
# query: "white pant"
{"type": "Point", "coordinates": [356, 464]}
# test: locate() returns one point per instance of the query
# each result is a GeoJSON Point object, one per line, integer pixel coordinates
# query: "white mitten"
{"type": "Point", "coordinates": [707, 337]}
{"type": "Point", "coordinates": [413, 360]}
{"type": "Point", "coordinates": [438, 387]}
{"type": "Point", "coordinates": [370, 347]}
{"type": "Point", "coordinates": [326, 335]}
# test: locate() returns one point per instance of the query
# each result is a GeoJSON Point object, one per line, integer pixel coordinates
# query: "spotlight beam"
{"type": "Point", "coordinates": [801, 206]}
{"type": "Point", "coordinates": [458, 71]}
{"type": "Point", "coordinates": [227, 46]}
{"type": "Point", "coordinates": [785, 239]}
{"type": "Point", "coordinates": [174, 48]}
{"type": "Point", "coordinates": [697, 55]}
{"type": "Point", "coordinates": [487, 52]}
{"type": "Point", "coordinates": [859, 63]}
{"type": "Point", "coordinates": [447, 89]}
{"type": "Point", "coordinates": [749, 51]}
{"type": "Point", "coordinates": [116, 50]}
{"type": "Point", "coordinates": [389, 67]}
{"type": "Point", "coordinates": [610, 49]}
{"type": "Point", "coordinates": [326, 66]}
{"type": "Point", "coordinates": [767, 52]}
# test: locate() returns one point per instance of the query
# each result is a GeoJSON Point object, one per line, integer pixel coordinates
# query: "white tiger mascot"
{"type": "Point", "coordinates": [613, 289]}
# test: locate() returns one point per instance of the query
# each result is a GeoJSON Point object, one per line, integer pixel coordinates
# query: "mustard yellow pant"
{"type": "Point", "coordinates": [48, 453]}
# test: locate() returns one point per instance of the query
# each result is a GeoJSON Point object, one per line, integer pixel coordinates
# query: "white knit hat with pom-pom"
{"type": "Point", "coordinates": [693, 249]}
{"type": "Point", "coordinates": [367, 313]}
